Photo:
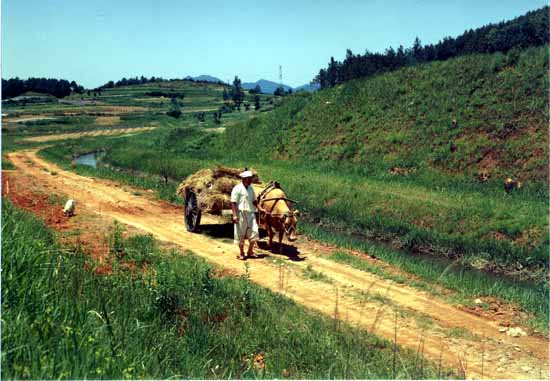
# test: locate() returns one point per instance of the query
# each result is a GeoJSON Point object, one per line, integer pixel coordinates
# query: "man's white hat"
{"type": "Point", "coordinates": [245, 174]}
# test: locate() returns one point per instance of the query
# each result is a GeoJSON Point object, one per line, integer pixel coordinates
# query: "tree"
{"type": "Point", "coordinates": [246, 106]}
{"type": "Point", "coordinates": [332, 72]}
{"type": "Point", "coordinates": [217, 117]}
{"type": "Point", "coordinates": [56, 87]}
{"type": "Point", "coordinates": [524, 31]}
{"type": "Point", "coordinates": [238, 94]}
{"type": "Point", "coordinates": [321, 79]}
{"type": "Point", "coordinates": [390, 58]}
{"type": "Point", "coordinates": [175, 111]}
{"type": "Point", "coordinates": [280, 91]}
{"type": "Point", "coordinates": [348, 67]}
{"type": "Point", "coordinates": [166, 168]}
{"type": "Point", "coordinates": [417, 50]}
{"type": "Point", "coordinates": [400, 57]}
{"type": "Point", "coordinates": [256, 90]}
{"type": "Point", "coordinates": [74, 87]}
{"type": "Point", "coordinates": [256, 102]}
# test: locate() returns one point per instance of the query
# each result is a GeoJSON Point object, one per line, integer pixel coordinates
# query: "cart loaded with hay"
{"type": "Point", "coordinates": [209, 191]}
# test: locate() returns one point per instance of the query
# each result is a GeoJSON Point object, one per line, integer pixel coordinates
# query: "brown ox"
{"type": "Point", "coordinates": [276, 214]}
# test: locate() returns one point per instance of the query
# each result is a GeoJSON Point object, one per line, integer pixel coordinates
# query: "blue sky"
{"type": "Point", "coordinates": [99, 40]}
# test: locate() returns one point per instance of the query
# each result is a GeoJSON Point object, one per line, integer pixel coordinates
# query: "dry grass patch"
{"type": "Point", "coordinates": [152, 99]}
{"type": "Point", "coordinates": [26, 118]}
{"type": "Point", "coordinates": [121, 109]}
{"type": "Point", "coordinates": [107, 120]}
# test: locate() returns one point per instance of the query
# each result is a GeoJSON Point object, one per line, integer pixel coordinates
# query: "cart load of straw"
{"type": "Point", "coordinates": [212, 188]}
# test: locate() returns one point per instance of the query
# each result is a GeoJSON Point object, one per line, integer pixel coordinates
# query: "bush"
{"type": "Point", "coordinates": [174, 113]}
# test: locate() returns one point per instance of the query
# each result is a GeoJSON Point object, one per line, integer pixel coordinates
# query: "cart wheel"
{"type": "Point", "coordinates": [192, 213]}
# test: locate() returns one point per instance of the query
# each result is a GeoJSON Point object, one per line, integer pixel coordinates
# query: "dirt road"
{"type": "Point", "coordinates": [473, 345]}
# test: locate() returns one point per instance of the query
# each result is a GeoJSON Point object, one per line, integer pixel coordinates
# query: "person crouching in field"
{"type": "Point", "coordinates": [243, 205]}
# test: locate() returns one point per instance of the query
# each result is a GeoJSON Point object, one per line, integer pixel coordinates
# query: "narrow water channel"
{"type": "Point", "coordinates": [89, 159]}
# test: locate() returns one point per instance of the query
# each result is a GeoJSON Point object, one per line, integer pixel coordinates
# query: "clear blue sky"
{"type": "Point", "coordinates": [93, 41]}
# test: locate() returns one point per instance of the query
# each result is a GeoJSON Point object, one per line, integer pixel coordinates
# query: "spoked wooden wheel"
{"type": "Point", "coordinates": [192, 213]}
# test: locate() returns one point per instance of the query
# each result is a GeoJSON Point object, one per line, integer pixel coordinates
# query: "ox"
{"type": "Point", "coordinates": [276, 214]}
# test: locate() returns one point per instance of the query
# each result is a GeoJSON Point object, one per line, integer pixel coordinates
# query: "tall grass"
{"type": "Point", "coordinates": [176, 319]}
{"type": "Point", "coordinates": [465, 283]}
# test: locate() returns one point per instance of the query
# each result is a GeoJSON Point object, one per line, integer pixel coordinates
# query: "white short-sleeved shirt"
{"type": "Point", "coordinates": [244, 198]}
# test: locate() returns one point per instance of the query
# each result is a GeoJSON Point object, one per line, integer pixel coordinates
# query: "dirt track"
{"type": "Point", "coordinates": [479, 350]}
{"type": "Point", "coordinates": [76, 135]}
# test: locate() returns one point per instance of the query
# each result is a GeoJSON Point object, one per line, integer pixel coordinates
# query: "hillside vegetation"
{"type": "Point", "coordinates": [458, 117]}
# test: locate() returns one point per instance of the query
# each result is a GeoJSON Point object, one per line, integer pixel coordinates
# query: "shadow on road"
{"type": "Point", "coordinates": [225, 231]}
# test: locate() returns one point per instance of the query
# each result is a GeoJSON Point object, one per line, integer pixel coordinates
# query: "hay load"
{"type": "Point", "coordinates": [212, 187]}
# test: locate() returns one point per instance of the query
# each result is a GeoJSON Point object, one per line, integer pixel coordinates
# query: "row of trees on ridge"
{"type": "Point", "coordinates": [525, 31]}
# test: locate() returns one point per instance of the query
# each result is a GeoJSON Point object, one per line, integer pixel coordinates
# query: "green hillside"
{"type": "Point", "coordinates": [458, 117]}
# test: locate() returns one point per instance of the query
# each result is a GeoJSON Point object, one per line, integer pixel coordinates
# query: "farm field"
{"type": "Point", "coordinates": [412, 260]}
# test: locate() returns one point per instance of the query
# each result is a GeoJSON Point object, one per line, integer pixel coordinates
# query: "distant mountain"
{"type": "Point", "coordinates": [268, 87]}
{"type": "Point", "coordinates": [308, 87]}
{"type": "Point", "coordinates": [204, 77]}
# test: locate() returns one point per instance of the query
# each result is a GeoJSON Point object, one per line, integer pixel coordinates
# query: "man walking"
{"type": "Point", "coordinates": [243, 205]}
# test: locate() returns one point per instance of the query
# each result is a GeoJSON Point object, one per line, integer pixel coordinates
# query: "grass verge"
{"type": "Point", "coordinates": [465, 284]}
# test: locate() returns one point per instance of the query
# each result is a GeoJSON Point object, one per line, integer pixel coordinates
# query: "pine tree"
{"type": "Point", "coordinates": [238, 93]}
{"type": "Point", "coordinates": [417, 50]}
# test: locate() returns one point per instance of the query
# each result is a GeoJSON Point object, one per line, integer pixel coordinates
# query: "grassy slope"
{"type": "Point", "coordinates": [177, 319]}
{"type": "Point", "coordinates": [405, 119]}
